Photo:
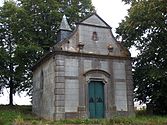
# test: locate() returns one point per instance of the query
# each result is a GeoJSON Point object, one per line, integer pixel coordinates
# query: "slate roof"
{"type": "Point", "coordinates": [81, 22]}
{"type": "Point", "coordinates": [64, 24]}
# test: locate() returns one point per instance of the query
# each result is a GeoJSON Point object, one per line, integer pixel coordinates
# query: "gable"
{"type": "Point", "coordinates": [95, 37]}
{"type": "Point", "coordinates": [95, 20]}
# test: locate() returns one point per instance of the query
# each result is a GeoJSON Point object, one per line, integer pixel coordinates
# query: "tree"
{"type": "Point", "coordinates": [14, 70]}
{"type": "Point", "coordinates": [45, 17]}
{"type": "Point", "coordinates": [76, 9]}
{"type": "Point", "coordinates": [145, 27]}
{"type": "Point", "coordinates": [27, 31]}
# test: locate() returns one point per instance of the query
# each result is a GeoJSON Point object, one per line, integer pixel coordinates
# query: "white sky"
{"type": "Point", "coordinates": [1, 1]}
{"type": "Point", "coordinates": [111, 11]}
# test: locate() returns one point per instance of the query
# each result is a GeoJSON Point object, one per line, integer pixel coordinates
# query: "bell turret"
{"type": "Point", "coordinates": [64, 30]}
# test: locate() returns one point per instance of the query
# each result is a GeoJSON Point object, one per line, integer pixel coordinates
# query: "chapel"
{"type": "Point", "coordinates": [86, 74]}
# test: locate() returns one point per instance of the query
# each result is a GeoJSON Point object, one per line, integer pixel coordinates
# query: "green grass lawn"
{"type": "Point", "coordinates": [21, 115]}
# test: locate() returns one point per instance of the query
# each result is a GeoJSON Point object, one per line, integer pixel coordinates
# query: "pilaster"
{"type": "Point", "coordinates": [59, 90]}
{"type": "Point", "coordinates": [129, 83]}
{"type": "Point", "coordinates": [82, 100]}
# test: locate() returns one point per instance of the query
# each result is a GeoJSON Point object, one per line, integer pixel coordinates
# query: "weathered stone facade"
{"type": "Point", "coordinates": [61, 79]}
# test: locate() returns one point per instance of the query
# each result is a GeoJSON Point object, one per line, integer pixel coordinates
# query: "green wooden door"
{"type": "Point", "coordinates": [96, 99]}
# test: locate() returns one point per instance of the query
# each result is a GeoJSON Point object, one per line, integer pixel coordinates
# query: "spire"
{"type": "Point", "coordinates": [64, 24]}
{"type": "Point", "coordinates": [64, 30]}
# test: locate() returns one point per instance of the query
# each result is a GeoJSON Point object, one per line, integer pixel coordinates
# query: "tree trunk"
{"type": "Point", "coordinates": [11, 92]}
{"type": "Point", "coordinates": [11, 84]}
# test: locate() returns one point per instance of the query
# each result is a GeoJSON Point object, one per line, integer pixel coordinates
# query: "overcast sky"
{"type": "Point", "coordinates": [111, 11]}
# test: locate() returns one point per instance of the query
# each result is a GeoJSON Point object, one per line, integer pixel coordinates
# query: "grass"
{"type": "Point", "coordinates": [21, 115]}
{"type": "Point", "coordinates": [9, 113]}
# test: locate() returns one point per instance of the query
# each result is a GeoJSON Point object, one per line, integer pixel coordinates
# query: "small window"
{"type": "Point", "coordinates": [94, 36]}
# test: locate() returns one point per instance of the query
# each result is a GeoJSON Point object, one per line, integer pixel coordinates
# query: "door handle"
{"type": "Point", "coordinates": [99, 100]}
{"type": "Point", "coordinates": [91, 100]}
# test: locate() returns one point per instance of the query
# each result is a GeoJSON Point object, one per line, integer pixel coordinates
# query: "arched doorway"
{"type": "Point", "coordinates": [96, 99]}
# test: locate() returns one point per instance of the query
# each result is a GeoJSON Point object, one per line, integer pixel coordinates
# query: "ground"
{"type": "Point", "coordinates": [21, 115]}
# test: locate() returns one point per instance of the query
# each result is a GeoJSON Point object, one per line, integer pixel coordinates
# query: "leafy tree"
{"type": "Point", "coordinates": [27, 30]}
{"type": "Point", "coordinates": [45, 17]}
{"type": "Point", "coordinates": [76, 9]}
{"type": "Point", "coordinates": [145, 27]}
{"type": "Point", "coordinates": [7, 48]}
{"type": "Point", "coordinates": [14, 68]}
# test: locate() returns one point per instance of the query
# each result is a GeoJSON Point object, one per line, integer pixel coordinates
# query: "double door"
{"type": "Point", "coordinates": [96, 99]}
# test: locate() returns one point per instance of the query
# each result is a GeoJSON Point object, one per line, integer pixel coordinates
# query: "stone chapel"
{"type": "Point", "coordinates": [86, 74]}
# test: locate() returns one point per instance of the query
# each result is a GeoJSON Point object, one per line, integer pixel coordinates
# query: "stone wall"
{"type": "Point", "coordinates": [65, 86]}
{"type": "Point", "coordinates": [120, 85]}
{"type": "Point", "coordinates": [99, 46]}
{"type": "Point", "coordinates": [71, 85]}
{"type": "Point", "coordinates": [43, 91]}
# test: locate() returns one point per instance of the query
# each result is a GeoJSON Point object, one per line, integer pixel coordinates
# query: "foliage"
{"type": "Point", "coordinates": [14, 67]}
{"type": "Point", "coordinates": [27, 31]}
{"type": "Point", "coordinates": [145, 27]}
{"type": "Point", "coordinates": [127, 1]}
{"type": "Point", "coordinates": [44, 18]}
